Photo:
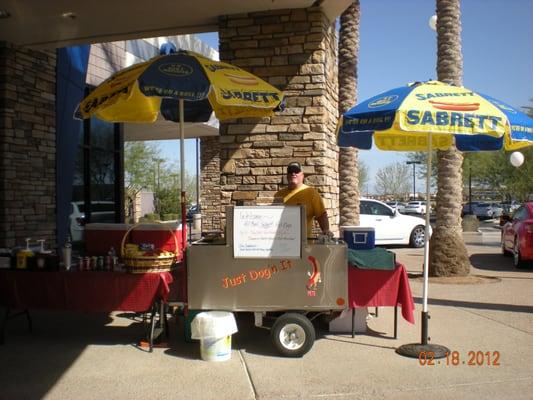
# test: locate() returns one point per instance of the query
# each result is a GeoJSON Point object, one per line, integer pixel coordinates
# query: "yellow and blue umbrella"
{"type": "Point", "coordinates": [183, 87]}
{"type": "Point", "coordinates": [139, 93]}
{"type": "Point", "coordinates": [403, 119]}
{"type": "Point", "coordinates": [433, 115]}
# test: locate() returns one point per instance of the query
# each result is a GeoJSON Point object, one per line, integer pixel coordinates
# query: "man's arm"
{"type": "Point", "coordinates": [324, 222]}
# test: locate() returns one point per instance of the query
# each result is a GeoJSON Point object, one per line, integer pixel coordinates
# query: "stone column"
{"type": "Point", "coordinates": [295, 50]}
{"type": "Point", "coordinates": [27, 145]}
{"type": "Point", "coordinates": [210, 183]}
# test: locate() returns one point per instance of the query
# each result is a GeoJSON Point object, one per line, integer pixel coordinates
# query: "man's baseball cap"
{"type": "Point", "coordinates": [294, 167]}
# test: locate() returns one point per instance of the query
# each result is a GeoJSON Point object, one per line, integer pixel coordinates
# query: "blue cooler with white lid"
{"type": "Point", "coordinates": [359, 237]}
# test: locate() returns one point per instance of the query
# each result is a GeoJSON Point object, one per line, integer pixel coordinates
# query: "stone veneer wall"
{"type": "Point", "coordinates": [296, 51]}
{"type": "Point", "coordinates": [28, 137]}
{"type": "Point", "coordinates": [210, 183]}
{"type": "Point", "coordinates": [27, 145]}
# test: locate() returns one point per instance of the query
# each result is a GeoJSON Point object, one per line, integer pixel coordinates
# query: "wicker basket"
{"type": "Point", "coordinates": [143, 264]}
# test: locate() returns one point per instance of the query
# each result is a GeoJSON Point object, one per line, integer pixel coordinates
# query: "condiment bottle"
{"type": "Point", "coordinates": [111, 260]}
{"type": "Point", "coordinates": [23, 255]}
{"type": "Point", "coordinates": [67, 254]}
{"type": "Point", "coordinates": [40, 257]}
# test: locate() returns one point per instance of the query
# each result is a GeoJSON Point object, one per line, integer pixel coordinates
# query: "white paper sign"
{"type": "Point", "coordinates": [267, 232]}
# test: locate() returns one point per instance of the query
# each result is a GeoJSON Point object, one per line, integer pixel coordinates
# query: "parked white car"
{"type": "Point", "coordinates": [392, 227]}
{"type": "Point", "coordinates": [396, 205]}
{"type": "Point", "coordinates": [415, 207]}
{"type": "Point", "coordinates": [509, 207]}
{"type": "Point", "coordinates": [101, 211]}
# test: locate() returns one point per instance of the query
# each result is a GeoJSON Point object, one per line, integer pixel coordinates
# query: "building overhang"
{"type": "Point", "coordinates": [168, 130]}
{"type": "Point", "coordinates": [60, 23]}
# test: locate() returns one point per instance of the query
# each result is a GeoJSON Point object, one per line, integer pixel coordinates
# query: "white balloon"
{"type": "Point", "coordinates": [516, 159]}
{"type": "Point", "coordinates": [433, 22]}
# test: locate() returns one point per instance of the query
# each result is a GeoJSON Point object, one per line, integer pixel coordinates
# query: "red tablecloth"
{"type": "Point", "coordinates": [376, 288]}
{"type": "Point", "coordinates": [82, 291]}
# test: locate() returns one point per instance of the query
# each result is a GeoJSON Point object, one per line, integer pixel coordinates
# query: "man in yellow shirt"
{"type": "Point", "coordinates": [297, 193]}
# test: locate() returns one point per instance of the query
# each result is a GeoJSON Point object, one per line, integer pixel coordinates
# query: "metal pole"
{"type": "Point", "coordinates": [182, 172]}
{"type": "Point", "coordinates": [470, 186]}
{"type": "Point", "coordinates": [414, 180]}
{"type": "Point", "coordinates": [416, 349]}
{"type": "Point", "coordinates": [157, 182]}
{"type": "Point", "coordinates": [158, 172]}
{"type": "Point", "coordinates": [426, 246]}
{"type": "Point", "coordinates": [414, 175]}
{"type": "Point", "coordinates": [158, 192]}
{"type": "Point", "coordinates": [197, 171]}
{"type": "Point", "coordinates": [181, 109]}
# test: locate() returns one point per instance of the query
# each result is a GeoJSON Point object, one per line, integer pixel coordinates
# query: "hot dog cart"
{"type": "Point", "coordinates": [265, 264]}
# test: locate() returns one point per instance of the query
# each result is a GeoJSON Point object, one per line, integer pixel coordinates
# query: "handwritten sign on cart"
{"type": "Point", "coordinates": [267, 232]}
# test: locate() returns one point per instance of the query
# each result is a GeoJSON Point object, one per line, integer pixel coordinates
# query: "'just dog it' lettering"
{"type": "Point", "coordinates": [259, 274]}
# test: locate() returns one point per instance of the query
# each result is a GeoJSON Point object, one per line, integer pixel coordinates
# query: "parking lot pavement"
{"type": "Point", "coordinates": [488, 325]}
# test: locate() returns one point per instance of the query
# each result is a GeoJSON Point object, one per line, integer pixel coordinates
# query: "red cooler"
{"type": "Point", "coordinates": [160, 235]}
{"type": "Point", "coordinates": [99, 237]}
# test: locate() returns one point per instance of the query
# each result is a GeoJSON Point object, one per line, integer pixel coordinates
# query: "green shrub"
{"type": "Point", "coordinates": [170, 217]}
{"type": "Point", "coordinates": [152, 217]}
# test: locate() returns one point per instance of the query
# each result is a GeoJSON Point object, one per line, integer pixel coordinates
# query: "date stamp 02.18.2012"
{"type": "Point", "coordinates": [470, 358]}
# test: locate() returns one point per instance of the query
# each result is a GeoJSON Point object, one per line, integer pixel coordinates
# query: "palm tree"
{"type": "Point", "coordinates": [448, 254]}
{"type": "Point", "coordinates": [348, 168]}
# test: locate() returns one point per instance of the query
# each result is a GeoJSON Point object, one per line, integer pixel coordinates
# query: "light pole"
{"type": "Point", "coordinates": [414, 174]}
{"type": "Point", "coordinates": [158, 161]}
{"type": "Point", "coordinates": [470, 187]}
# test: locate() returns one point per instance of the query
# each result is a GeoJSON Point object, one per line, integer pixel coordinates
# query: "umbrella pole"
{"type": "Point", "coordinates": [182, 174]}
{"type": "Point", "coordinates": [183, 199]}
{"type": "Point", "coordinates": [424, 350]}
{"type": "Point", "coordinates": [425, 313]}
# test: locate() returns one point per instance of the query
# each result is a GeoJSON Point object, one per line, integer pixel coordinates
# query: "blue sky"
{"type": "Point", "coordinates": [397, 46]}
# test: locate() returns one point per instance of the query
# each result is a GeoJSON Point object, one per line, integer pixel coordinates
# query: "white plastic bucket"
{"type": "Point", "coordinates": [216, 349]}
{"type": "Point", "coordinates": [214, 329]}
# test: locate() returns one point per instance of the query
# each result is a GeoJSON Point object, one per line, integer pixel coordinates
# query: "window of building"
{"type": "Point", "coordinates": [97, 194]}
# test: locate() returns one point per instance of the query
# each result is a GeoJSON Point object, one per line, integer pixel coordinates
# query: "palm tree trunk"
{"type": "Point", "coordinates": [448, 254]}
{"type": "Point", "coordinates": [348, 57]}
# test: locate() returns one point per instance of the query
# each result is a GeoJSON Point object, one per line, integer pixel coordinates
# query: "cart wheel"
{"type": "Point", "coordinates": [293, 334]}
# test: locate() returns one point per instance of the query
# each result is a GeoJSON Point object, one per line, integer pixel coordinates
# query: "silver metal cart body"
{"type": "Point", "coordinates": [218, 281]}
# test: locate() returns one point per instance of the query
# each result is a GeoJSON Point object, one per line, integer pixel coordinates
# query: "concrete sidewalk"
{"type": "Point", "coordinates": [87, 356]}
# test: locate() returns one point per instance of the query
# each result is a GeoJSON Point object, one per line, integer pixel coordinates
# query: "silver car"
{"type": "Point", "coordinates": [487, 210]}
{"type": "Point", "coordinates": [415, 207]}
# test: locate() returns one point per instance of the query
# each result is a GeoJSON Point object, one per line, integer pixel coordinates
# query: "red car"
{"type": "Point", "coordinates": [517, 235]}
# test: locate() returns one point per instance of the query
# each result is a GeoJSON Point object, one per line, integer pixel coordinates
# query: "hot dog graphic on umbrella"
{"type": "Point", "coordinates": [449, 106]}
